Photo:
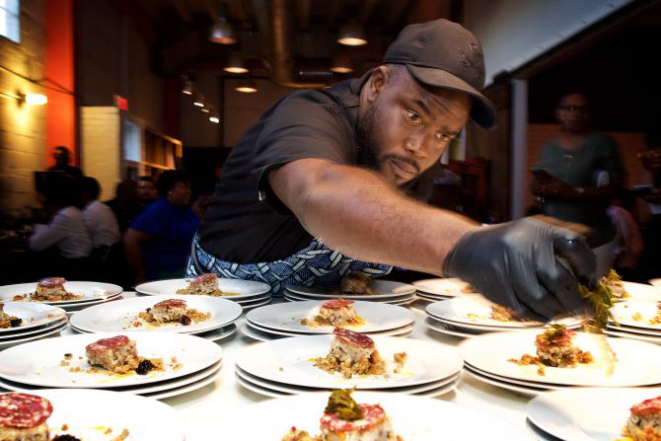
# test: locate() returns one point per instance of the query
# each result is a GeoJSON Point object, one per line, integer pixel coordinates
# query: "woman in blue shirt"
{"type": "Point", "coordinates": [158, 242]}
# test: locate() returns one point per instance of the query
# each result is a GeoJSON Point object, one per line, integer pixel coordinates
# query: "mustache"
{"type": "Point", "coordinates": [406, 160]}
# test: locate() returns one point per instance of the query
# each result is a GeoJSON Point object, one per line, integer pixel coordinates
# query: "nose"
{"type": "Point", "coordinates": [416, 146]}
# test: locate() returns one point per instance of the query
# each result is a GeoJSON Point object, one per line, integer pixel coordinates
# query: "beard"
{"type": "Point", "coordinates": [367, 147]}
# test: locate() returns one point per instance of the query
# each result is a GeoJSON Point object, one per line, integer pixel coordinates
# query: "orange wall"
{"type": "Point", "coordinates": [61, 111]}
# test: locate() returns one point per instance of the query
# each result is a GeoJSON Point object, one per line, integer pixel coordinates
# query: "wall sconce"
{"type": "Point", "coordinates": [36, 99]}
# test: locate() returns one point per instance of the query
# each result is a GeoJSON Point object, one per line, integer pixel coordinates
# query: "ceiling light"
{"type": "Point", "coordinates": [341, 64]}
{"type": "Point", "coordinates": [247, 85]}
{"type": "Point", "coordinates": [205, 109]}
{"type": "Point", "coordinates": [198, 99]}
{"type": "Point", "coordinates": [187, 87]}
{"type": "Point", "coordinates": [36, 99]}
{"type": "Point", "coordinates": [352, 34]}
{"type": "Point", "coordinates": [214, 118]}
{"type": "Point", "coordinates": [222, 31]}
{"type": "Point", "coordinates": [236, 64]}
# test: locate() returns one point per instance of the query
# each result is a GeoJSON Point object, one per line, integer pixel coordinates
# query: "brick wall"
{"type": "Point", "coordinates": [100, 129]}
{"type": "Point", "coordinates": [629, 144]}
{"type": "Point", "coordinates": [22, 127]}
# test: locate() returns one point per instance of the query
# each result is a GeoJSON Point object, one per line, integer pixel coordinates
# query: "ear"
{"type": "Point", "coordinates": [376, 82]}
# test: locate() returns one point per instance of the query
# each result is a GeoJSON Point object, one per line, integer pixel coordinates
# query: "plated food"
{"type": "Point", "coordinates": [8, 321]}
{"type": "Point", "coordinates": [356, 283]}
{"type": "Point", "coordinates": [205, 285]}
{"type": "Point", "coordinates": [344, 419]}
{"type": "Point", "coordinates": [49, 290]}
{"type": "Point", "coordinates": [23, 417]}
{"type": "Point", "coordinates": [614, 281]}
{"type": "Point", "coordinates": [351, 354]}
{"type": "Point", "coordinates": [171, 311]}
{"type": "Point", "coordinates": [379, 291]}
{"type": "Point", "coordinates": [644, 424]}
{"type": "Point", "coordinates": [336, 312]}
{"type": "Point", "coordinates": [118, 355]}
{"type": "Point", "coordinates": [555, 348]}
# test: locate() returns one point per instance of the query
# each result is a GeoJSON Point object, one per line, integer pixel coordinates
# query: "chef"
{"type": "Point", "coordinates": [325, 184]}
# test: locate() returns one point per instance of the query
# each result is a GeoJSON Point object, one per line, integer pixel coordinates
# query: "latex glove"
{"type": "Point", "coordinates": [517, 265]}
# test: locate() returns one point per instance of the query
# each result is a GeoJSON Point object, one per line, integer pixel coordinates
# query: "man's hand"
{"type": "Point", "coordinates": [518, 265]}
{"type": "Point", "coordinates": [544, 184]}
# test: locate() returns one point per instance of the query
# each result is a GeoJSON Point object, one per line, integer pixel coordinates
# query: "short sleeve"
{"type": "Point", "coordinates": [148, 221]}
{"type": "Point", "coordinates": [303, 125]}
{"type": "Point", "coordinates": [609, 157]}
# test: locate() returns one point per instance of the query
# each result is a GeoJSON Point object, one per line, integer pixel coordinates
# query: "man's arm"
{"type": "Point", "coordinates": [133, 241]}
{"type": "Point", "coordinates": [356, 212]}
{"type": "Point", "coordinates": [45, 236]}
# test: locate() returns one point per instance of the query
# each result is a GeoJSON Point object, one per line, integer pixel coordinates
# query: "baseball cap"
{"type": "Point", "coordinates": [444, 54]}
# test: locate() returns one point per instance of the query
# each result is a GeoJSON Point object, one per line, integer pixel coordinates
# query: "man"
{"type": "Point", "coordinates": [318, 187]}
{"type": "Point", "coordinates": [62, 158]}
{"type": "Point", "coordinates": [146, 191]}
{"type": "Point", "coordinates": [579, 173]}
{"type": "Point", "coordinates": [99, 219]}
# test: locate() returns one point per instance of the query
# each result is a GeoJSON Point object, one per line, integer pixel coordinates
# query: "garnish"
{"type": "Point", "coordinates": [602, 301]}
{"type": "Point", "coordinates": [341, 404]}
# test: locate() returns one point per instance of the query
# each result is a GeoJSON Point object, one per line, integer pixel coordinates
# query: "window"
{"type": "Point", "coordinates": [10, 20]}
{"type": "Point", "coordinates": [132, 141]}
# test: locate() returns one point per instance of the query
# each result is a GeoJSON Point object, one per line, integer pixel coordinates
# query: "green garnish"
{"type": "Point", "coordinates": [341, 404]}
{"type": "Point", "coordinates": [555, 331]}
{"type": "Point", "coordinates": [602, 301]}
{"type": "Point", "coordinates": [613, 276]}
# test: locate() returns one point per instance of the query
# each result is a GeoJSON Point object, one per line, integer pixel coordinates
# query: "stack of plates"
{"type": "Point", "coordinates": [486, 358]}
{"type": "Point", "coordinates": [634, 320]}
{"type": "Point", "coordinates": [88, 414]}
{"type": "Point", "coordinates": [246, 293]}
{"type": "Point", "coordinates": [471, 315]}
{"type": "Point", "coordinates": [585, 414]}
{"type": "Point", "coordinates": [284, 320]}
{"type": "Point", "coordinates": [286, 367]}
{"type": "Point", "coordinates": [38, 321]}
{"type": "Point", "coordinates": [642, 291]}
{"type": "Point", "coordinates": [385, 291]}
{"type": "Point", "coordinates": [412, 418]}
{"type": "Point", "coordinates": [40, 364]}
{"type": "Point", "coordinates": [440, 289]}
{"type": "Point", "coordinates": [91, 293]}
{"type": "Point", "coordinates": [119, 316]}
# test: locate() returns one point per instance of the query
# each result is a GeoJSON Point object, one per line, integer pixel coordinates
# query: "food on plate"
{"type": "Point", "coordinates": [356, 283]}
{"type": "Point", "coordinates": [168, 312]}
{"type": "Point", "coordinates": [119, 355]}
{"type": "Point", "coordinates": [500, 314]}
{"type": "Point", "coordinates": [335, 312]}
{"type": "Point", "coordinates": [23, 417]}
{"type": "Point", "coordinates": [645, 421]}
{"type": "Point", "coordinates": [8, 321]}
{"type": "Point", "coordinates": [49, 290]}
{"type": "Point", "coordinates": [555, 348]}
{"type": "Point", "coordinates": [346, 420]}
{"type": "Point", "coordinates": [614, 281]}
{"type": "Point", "coordinates": [206, 285]}
{"type": "Point", "coordinates": [352, 353]}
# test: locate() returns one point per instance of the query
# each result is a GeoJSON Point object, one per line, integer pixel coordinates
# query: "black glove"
{"type": "Point", "coordinates": [517, 264]}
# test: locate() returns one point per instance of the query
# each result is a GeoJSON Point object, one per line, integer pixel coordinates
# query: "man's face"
{"type": "Point", "coordinates": [61, 157]}
{"type": "Point", "coordinates": [407, 126]}
{"type": "Point", "coordinates": [573, 112]}
{"type": "Point", "coordinates": [146, 191]}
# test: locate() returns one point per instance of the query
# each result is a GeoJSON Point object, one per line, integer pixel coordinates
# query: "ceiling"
{"type": "Point", "coordinates": [305, 34]}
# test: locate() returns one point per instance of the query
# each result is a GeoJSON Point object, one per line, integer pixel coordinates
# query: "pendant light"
{"type": "Point", "coordinates": [236, 64]}
{"type": "Point", "coordinates": [247, 85]}
{"type": "Point", "coordinates": [352, 34]}
{"type": "Point", "coordinates": [222, 31]}
{"type": "Point", "coordinates": [341, 64]}
{"type": "Point", "coordinates": [187, 86]}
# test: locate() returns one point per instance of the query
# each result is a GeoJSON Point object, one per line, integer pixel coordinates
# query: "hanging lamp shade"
{"type": "Point", "coordinates": [247, 85]}
{"type": "Point", "coordinates": [222, 31]}
{"type": "Point", "coordinates": [352, 34]}
{"type": "Point", "coordinates": [236, 64]}
{"type": "Point", "coordinates": [187, 86]}
{"type": "Point", "coordinates": [341, 64]}
{"type": "Point", "coordinates": [198, 99]}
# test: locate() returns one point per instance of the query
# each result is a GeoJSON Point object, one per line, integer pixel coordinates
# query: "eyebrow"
{"type": "Point", "coordinates": [422, 105]}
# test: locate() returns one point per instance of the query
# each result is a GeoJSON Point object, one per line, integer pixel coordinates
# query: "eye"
{"type": "Point", "coordinates": [414, 117]}
{"type": "Point", "coordinates": [442, 137]}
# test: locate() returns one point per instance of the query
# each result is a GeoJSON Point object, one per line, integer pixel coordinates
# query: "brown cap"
{"type": "Point", "coordinates": [444, 54]}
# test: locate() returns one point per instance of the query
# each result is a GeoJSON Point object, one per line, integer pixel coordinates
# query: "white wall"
{"type": "Point", "coordinates": [100, 133]}
{"type": "Point", "coordinates": [513, 32]}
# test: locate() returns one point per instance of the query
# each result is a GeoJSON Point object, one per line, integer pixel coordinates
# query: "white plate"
{"type": "Point", "coordinates": [515, 381]}
{"type": "Point", "coordinates": [490, 352]}
{"type": "Point", "coordinates": [475, 310]}
{"type": "Point", "coordinates": [639, 337]}
{"type": "Point", "coordinates": [185, 389]}
{"type": "Point", "coordinates": [49, 332]}
{"type": "Point", "coordinates": [623, 312]}
{"type": "Point", "coordinates": [34, 315]}
{"type": "Point", "coordinates": [244, 288]}
{"type": "Point", "coordinates": [247, 307]}
{"type": "Point", "coordinates": [80, 306]}
{"type": "Point", "coordinates": [118, 316]}
{"type": "Point", "coordinates": [38, 363]}
{"type": "Point", "coordinates": [214, 335]}
{"type": "Point", "coordinates": [87, 290]}
{"type": "Point", "coordinates": [13, 337]}
{"type": "Point", "coordinates": [398, 331]}
{"type": "Point", "coordinates": [399, 299]}
{"type": "Point", "coordinates": [251, 332]}
{"type": "Point", "coordinates": [443, 287]}
{"type": "Point", "coordinates": [287, 317]}
{"type": "Point", "coordinates": [143, 418]}
{"type": "Point", "coordinates": [586, 414]}
{"type": "Point", "coordinates": [431, 298]}
{"type": "Point", "coordinates": [256, 299]}
{"type": "Point", "coordinates": [381, 289]}
{"type": "Point", "coordinates": [289, 361]}
{"type": "Point", "coordinates": [641, 291]}
{"type": "Point", "coordinates": [655, 282]}
{"type": "Point", "coordinates": [443, 328]}
{"type": "Point", "coordinates": [522, 390]}
{"type": "Point", "coordinates": [413, 418]}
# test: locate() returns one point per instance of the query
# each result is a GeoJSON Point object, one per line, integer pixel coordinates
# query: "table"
{"type": "Point", "coordinates": [205, 409]}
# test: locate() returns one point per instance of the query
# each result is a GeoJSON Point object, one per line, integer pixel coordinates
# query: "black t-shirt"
{"type": "Point", "coordinates": [245, 221]}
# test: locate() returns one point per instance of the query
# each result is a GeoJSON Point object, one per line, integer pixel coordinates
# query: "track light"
{"type": "Point", "coordinates": [352, 34]}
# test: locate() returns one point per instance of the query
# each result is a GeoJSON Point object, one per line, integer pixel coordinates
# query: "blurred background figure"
{"type": "Point", "coordinates": [146, 191]}
{"type": "Point", "coordinates": [101, 224]}
{"type": "Point", "coordinates": [158, 242]}
{"type": "Point", "coordinates": [62, 157]}
{"type": "Point", "coordinates": [62, 237]}
{"type": "Point", "coordinates": [125, 204]}
{"type": "Point", "coordinates": [629, 243]}
{"type": "Point", "coordinates": [578, 174]}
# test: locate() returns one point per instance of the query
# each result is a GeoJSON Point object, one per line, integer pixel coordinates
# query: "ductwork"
{"type": "Point", "coordinates": [274, 19]}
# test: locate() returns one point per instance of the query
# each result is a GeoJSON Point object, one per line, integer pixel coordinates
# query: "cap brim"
{"type": "Point", "coordinates": [483, 111]}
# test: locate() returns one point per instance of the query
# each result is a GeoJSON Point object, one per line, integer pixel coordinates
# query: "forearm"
{"type": "Point", "coordinates": [134, 255]}
{"type": "Point", "coordinates": [44, 237]}
{"type": "Point", "coordinates": [357, 213]}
